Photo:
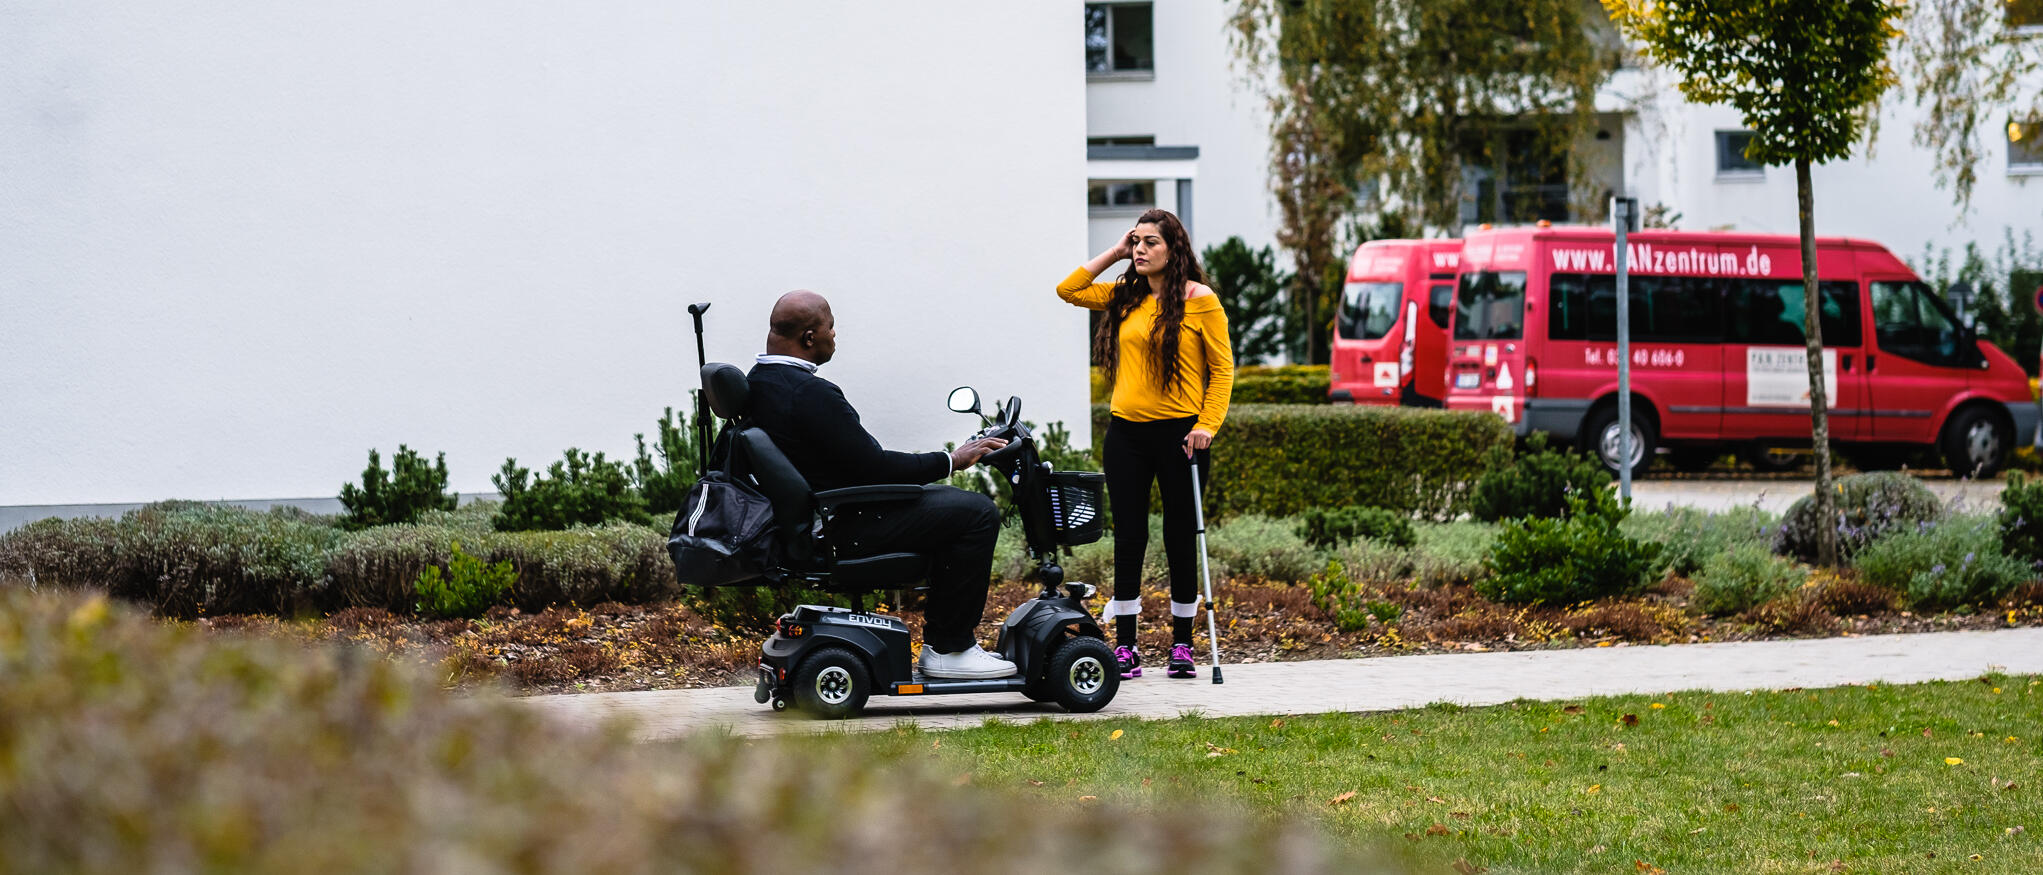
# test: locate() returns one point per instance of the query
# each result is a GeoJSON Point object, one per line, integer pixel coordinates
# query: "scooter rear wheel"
{"type": "Point", "coordinates": [832, 683]}
{"type": "Point", "coordinates": [1082, 675]}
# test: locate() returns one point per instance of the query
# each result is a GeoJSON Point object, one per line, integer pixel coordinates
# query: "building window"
{"type": "Point", "coordinates": [1120, 141]}
{"type": "Point", "coordinates": [2025, 15]}
{"type": "Point", "coordinates": [1113, 195]}
{"type": "Point", "coordinates": [1511, 178]}
{"type": "Point", "coordinates": [1731, 160]}
{"type": "Point", "coordinates": [1119, 39]}
{"type": "Point", "coordinates": [2025, 147]}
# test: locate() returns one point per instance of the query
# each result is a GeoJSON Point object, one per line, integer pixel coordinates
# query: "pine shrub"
{"type": "Point", "coordinates": [664, 482]}
{"type": "Point", "coordinates": [1533, 483]}
{"type": "Point", "coordinates": [411, 487]}
{"type": "Point", "coordinates": [580, 490]}
{"type": "Point", "coordinates": [1578, 558]}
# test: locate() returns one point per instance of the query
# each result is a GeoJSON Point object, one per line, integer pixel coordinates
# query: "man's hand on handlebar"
{"type": "Point", "coordinates": [973, 450]}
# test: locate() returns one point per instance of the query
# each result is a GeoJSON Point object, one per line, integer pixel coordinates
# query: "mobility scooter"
{"type": "Point", "coordinates": [826, 661]}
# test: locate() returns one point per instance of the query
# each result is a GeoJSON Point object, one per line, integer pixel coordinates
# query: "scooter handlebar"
{"type": "Point", "coordinates": [1001, 457]}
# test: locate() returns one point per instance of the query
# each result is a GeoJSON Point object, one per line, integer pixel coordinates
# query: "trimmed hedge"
{"type": "Point", "coordinates": [1282, 459]}
{"type": "Point", "coordinates": [1289, 384]}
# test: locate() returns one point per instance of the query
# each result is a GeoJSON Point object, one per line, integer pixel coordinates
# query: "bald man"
{"type": "Point", "coordinates": [819, 432]}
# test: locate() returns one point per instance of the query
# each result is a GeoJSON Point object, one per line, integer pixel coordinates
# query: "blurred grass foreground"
{"type": "Point", "coordinates": [130, 745]}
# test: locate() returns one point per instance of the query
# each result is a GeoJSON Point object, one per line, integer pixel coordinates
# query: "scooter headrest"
{"type": "Point", "coordinates": [726, 389]}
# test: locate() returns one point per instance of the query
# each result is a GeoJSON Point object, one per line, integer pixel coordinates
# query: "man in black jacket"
{"type": "Point", "coordinates": [819, 432]}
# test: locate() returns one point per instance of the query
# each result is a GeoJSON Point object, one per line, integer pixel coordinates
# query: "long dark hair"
{"type": "Point", "coordinates": [1180, 268]}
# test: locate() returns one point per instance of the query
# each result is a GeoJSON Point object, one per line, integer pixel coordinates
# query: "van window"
{"type": "Point", "coordinates": [1440, 303]}
{"type": "Point", "coordinates": [1772, 312]}
{"type": "Point", "coordinates": [1368, 310]}
{"type": "Point", "coordinates": [1912, 323]}
{"type": "Point", "coordinates": [1490, 306]}
{"type": "Point", "coordinates": [1664, 309]}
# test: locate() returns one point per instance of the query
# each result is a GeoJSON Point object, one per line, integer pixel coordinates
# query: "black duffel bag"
{"type": "Point", "coordinates": [723, 535]}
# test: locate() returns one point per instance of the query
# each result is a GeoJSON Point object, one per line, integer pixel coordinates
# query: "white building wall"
{"type": "Point", "coordinates": [240, 245]}
{"type": "Point", "coordinates": [1197, 98]}
{"type": "Point", "coordinates": [1888, 195]}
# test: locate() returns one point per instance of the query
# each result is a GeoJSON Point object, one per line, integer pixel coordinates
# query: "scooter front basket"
{"type": "Point", "coordinates": [1078, 512]}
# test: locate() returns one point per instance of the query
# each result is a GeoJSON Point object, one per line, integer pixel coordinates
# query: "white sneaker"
{"type": "Point", "coordinates": [974, 664]}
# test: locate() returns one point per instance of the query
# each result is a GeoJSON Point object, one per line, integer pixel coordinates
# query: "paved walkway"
{"type": "Point", "coordinates": [1378, 684]}
{"type": "Point", "coordinates": [1980, 496]}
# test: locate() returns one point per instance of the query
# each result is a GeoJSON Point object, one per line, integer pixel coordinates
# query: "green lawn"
{"type": "Point", "coordinates": [1940, 777]}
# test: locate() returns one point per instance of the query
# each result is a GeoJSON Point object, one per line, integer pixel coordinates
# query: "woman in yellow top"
{"type": "Point", "coordinates": [1164, 346]}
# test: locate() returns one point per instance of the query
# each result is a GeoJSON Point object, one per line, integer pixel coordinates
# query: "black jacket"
{"type": "Point", "coordinates": [818, 431]}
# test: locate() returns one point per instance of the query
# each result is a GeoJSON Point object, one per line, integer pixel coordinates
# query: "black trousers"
{"type": "Point", "coordinates": [957, 530]}
{"type": "Point", "coordinates": [1137, 454]}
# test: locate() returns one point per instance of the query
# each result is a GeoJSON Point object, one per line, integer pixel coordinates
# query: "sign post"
{"type": "Point", "coordinates": [1623, 213]}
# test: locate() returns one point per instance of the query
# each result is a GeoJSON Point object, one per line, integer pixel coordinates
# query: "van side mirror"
{"type": "Point", "coordinates": [964, 399]}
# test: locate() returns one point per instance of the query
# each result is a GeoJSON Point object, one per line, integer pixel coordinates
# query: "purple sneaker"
{"type": "Point", "coordinates": [1182, 665]}
{"type": "Point", "coordinates": [1130, 662]}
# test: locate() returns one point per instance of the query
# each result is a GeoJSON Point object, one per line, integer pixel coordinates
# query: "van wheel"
{"type": "Point", "coordinates": [1602, 438]}
{"type": "Point", "coordinates": [1975, 443]}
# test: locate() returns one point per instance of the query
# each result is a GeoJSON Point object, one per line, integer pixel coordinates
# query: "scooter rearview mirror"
{"type": "Point", "coordinates": [1013, 409]}
{"type": "Point", "coordinates": [964, 400]}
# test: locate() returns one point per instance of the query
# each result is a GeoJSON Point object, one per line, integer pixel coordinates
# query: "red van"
{"type": "Point", "coordinates": [1717, 350]}
{"type": "Point", "coordinates": [1390, 331]}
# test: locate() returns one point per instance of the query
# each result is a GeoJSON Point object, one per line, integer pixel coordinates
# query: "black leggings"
{"type": "Point", "coordinates": [1136, 455]}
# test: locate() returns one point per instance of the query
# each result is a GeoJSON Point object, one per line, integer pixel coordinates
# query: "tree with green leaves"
{"type": "Point", "coordinates": [1251, 290]}
{"type": "Point", "coordinates": [1382, 104]}
{"type": "Point", "coordinates": [1807, 76]}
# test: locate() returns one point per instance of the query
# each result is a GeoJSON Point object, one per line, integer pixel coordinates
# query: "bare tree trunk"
{"type": "Point", "coordinates": [1819, 396]}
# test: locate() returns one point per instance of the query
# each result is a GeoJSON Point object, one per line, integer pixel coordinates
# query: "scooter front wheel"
{"type": "Point", "coordinates": [1082, 675]}
{"type": "Point", "coordinates": [832, 683]}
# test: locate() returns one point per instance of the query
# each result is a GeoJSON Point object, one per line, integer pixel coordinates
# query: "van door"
{"type": "Point", "coordinates": [1429, 382]}
{"type": "Point", "coordinates": [1920, 360]}
{"type": "Point", "coordinates": [1766, 360]}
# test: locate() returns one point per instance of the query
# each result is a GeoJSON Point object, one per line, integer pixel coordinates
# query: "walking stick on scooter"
{"type": "Point", "coordinates": [701, 403]}
{"type": "Point", "coordinates": [1205, 574]}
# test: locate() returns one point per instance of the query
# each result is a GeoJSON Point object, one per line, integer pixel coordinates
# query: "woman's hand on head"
{"type": "Point", "coordinates": [1124, 247]}
{"type": "Point", "coordinates": [1199, 439]}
